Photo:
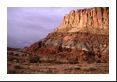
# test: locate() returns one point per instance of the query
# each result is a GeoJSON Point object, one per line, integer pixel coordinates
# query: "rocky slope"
{"type": "Point", "coordinates": [82, 36]}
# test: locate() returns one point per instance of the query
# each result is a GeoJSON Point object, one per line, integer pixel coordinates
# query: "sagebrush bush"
{"type": "Point", "coordinates": [34, 59]}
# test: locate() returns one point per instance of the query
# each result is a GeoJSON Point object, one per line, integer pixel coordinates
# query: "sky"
{"type": "Point", "coordinates": [26, 25]}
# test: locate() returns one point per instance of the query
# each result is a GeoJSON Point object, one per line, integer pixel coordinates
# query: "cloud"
{"type": "Point", "coordinates": [30, 24]}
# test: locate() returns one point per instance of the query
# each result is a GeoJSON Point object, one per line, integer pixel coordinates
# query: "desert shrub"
{"type": "Point", "coordinates": [16, 54]}
{"type": "Point", "coordinates": [73, 61]}
{"type": "Point", "coordinates": [60, 62]}
{"type": "Point", "coordinates": [77, 68]}
{"type": "Point", "coordinates": [92, 69]}
{"type": "Point", "coordinates": [10, 53]}
{"type": "Point", "coordinates": [50, 61]}
{"type": "Point", "coordinates": [98, 61]}
{"type": "Point", "coordinates": [16, 60]}
{"type": "Point", "coordinates": [60, 49]}
{"type": "Point", "coordinates": [17, 67]}
{"type": "Point", "coordinates": [34, 59]}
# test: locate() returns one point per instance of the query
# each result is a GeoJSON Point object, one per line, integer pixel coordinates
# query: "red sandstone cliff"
{"type": "Point", "coordinates": [77, 20]}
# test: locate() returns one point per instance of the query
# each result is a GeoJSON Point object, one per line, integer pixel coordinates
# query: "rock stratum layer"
{"type": "Point", "coordinates": [82, 36]}
{"type": "Point", "coordinates": [78, 20]}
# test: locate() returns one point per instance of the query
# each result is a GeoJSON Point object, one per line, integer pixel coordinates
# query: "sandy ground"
{"type": "Point", "coordinates": [18, 63]}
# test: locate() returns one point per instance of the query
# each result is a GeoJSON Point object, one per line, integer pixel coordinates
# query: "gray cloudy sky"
{"type": "Point", "coordinates": [26, 25]}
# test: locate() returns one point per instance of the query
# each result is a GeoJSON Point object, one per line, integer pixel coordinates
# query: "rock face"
{"type": "Point", "coordinates": [82, 36]}
{"type": "Point", "coordinates": [78, 20]}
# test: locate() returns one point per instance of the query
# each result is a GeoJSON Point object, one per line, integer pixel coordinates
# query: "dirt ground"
{"type": "Point", "coordinates": [47, 68]}
{"type": "Point", "coordinates": [17, 63]}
